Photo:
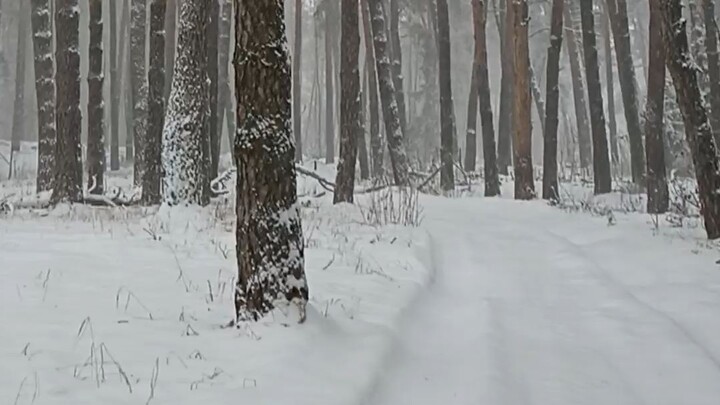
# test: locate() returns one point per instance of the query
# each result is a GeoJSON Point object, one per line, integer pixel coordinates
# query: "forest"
{"type": "Point", "coordinates": [359, 201]}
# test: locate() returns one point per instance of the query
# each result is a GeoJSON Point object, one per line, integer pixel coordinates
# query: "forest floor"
{"type": "Point", "coordinates": [472, 300]}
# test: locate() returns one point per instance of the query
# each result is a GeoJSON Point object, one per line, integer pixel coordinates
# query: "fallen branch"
{"type": "Point", "coordinates": [326, 184]}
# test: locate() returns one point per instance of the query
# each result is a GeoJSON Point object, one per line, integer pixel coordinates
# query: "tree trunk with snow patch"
{"type": "Point", "coordinates": [96, 103]}
{"type": "Point", "coordinates": [43, 37]}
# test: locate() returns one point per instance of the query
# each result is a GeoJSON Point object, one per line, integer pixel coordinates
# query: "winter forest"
{"type": "Point", "coordinates": [361, 202]}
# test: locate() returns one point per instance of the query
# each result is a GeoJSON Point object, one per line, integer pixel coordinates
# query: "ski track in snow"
{"type": "Point", "coordinates": [532, 306]}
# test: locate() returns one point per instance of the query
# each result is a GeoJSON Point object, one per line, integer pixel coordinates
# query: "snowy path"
{"type": "Point", "coordinates": [535, 306]}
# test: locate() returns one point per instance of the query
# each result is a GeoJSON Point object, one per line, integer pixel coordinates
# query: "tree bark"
{"type": "Point", "coordinates": [376, 141]}
{"type": "Point", "coordinates": [626, 74]}
{"type": "Point", "coordinates": [350, 107]}
{"type": "Point", "coordinates": [114, 90]}
{"type": "Point", "coordinates": [490, 165]}
{"type": "Point", "coordinates": [170, 43]}
{"type": "Point", "coordinates": [139, 86]}
{"type": "Point", "coordinates": [297, 81]}
{"type": "Point", "coordinates": [601, 158]}
{"type": "Point", "coordinates": [550, 161]}
{"type": "Point", "coordinates": [152, 177]}
{"type": "Point", "coordinates": [447, 174]}
{"type": "Point", "coordinates": [225, 96]}
{"type": "Point", "coordinates": [270, 248]}
{"type": "Point", "coordinates": [610, 87]}
{"type": "Point", "coordinates": [396, 47]}
{"type": "Point", "coordinates": [43, 37]}
{"type": "Point", "coordinates": [522, 104]}
{"type": "Point", "coordinates": [576, 71]}
{"type": "Point", "coordinates": [697, 125]}
{"type": "Point", "coordinates": [67, 186]}
{"type": "Point", "coordinates": [96, 103]}
{"type": "Point", "coordinates": [212, 55]}
{"type": "Point", "coordinates": [398, 158]}
{"type": "Point", "coordinates": [505, 126]}
{"type": "Point", "coordinates": [329, 88]}
{"type": "Point", "coordinates": [18, 126]}
{"type": "Point", "coordinates": [186, 144]}
{"type": "Point", "coordinates": [657, 187]}
{"type": "Point", "coordinates": [472, 111]}
{"type": "Point", "coordinates": [711, 45]}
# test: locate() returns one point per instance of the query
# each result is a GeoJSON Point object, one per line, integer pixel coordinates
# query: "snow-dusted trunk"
{"type": "Point", "coordinates": [447, 173]}
{"type": "Point", "coordinates": [170, 43]}
{"type": "Point", "coordinates": [626, 73]}
{"type": "Point", "coordinates": [506, 86]}
{"type": "Point", "coordinates": [657, 187]}
{"type": "Point", "coordinates": [96, 103]}
{"type": "Point", "coordinates": [522, 104]}
{"type": "Point", "coordinates": [124, 64]}
{"type": "Point", "coordinates": [138, 83]}
{"type": "Point", "coordinates": [610, 87]}
{"type": "Point", "coordinates": [114, 90]}
{"type": "Point", "coordinates": [212, 53]}
{"type": "Point", "coordinates": [350, 126]}
{"type": "Point", "coordinates": [697, 126]}
{"type": "Point", "coordinates": [225, 104]}
{"type": "Point", "coordinates": [329, 87]}
{"type": "Point", "coordinates": [45, 91]}
{"type": "Point", "coordinates": [396, 53]}
{"type": "Point", "coordinates": [550, 161]}
{"type": "Point", "coordinates": [576, 72]}
{"type": "Point", "coordinates": [270, 248]}
{"type": "Point", "coordinates": [398, 158]}
{"type": "Point", "coordinates": [713, 60]}
{"type": "Point", "coordinates": [297, 81]}
{"type": "Point", "coordinates": [376, 140]}
{"type": "Point", "coordinates": [601, 158]}
{"type": "Point", "coordinates": [185, 135]}
{"type": "Point", "coordinates": [152, 177]}
{"type": "Point", "coordinates": [18, 126]}
{"type": "Point", "coordinates": [67, 186]}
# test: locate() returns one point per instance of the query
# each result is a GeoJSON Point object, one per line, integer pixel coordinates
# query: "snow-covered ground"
{"type": "Point", "coordinates": [487, 301]}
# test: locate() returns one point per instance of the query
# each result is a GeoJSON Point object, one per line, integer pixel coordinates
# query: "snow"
{"type": "Point", "coordinates": [486, 301]}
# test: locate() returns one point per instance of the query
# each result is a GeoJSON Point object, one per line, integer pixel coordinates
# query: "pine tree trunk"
{"type": "Point", "coordinates": [350, 126]}
{"type": "Point", "coordinates": [376, 141]}
{"type": "Point", "coordinates": [329, 89]}
{"type": "Point", "coordinates": [626, 74]}
{"type": "Point", "coordinates": [43, 37]}
{"type": "Point", "coordinates": [396, 47]}
{"type": "Point", "coordinates": [697, 125]}
{"type": "Point", "coordinates": [126, 79]}
{"type": "Point", "coordinates": [152, 177]}
{"type": "Point", "coordinates": [657, 187]}
{"type": "Point", "coordinates": [297, 81]}
{"type": "Point", "coordinates": [96, 103]}
{"type": "Point", "coordinates": [18, 126]}
{"type": "Point", "coordinates": [522, 104]}
{"type": "Point", "coordinates": [601, 157]}
{"type": "Point", "coordinates": [537, 97]}
{"type": "Point", "coordinates": [186, 144]}
{"type": "Point", "coordinates": [363, 158]}
{"type": "Point", "coordinates": [114, 90]}
{"type": "Point", "coordinates": [576, 71]}
{"type": "Point", "coordinates": [170, 43]}
{"type": "Point", "coordinates": [214, 127]}
{"type": "Point", "coordinates": [269, 234]}
{"type": "Point", "coordinates": [398, 158]}
{"type": "Point", "coordinates": [472, 112]}
{"type": "Point", "coordinates": [139, 86]}
{"type": "Point", "coordinates": [610, 87]}
{"type": "Point", "coordinates": [67, 186]}
{"type": "Point", "coordinates": [492, 181]}
{"type": "Point", "coordinates": [711, 45]}
{"type": "Point", "coordinates": [224, 92]}
{"type": "Point", "coordinates": [505, 126]}
{"type": "Point", "coordinates": [447, 174]}
{"type": "Point", "coordinates": [550, 160]}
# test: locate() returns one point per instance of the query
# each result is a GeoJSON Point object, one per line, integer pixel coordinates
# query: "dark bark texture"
{"type": "Point", "coordinates": [550, 161]}
{"type": "Point", "coordinates": [396, 47]}
{"type": "Point", "coordinates": [447, 159]}
{"type": "Point", "coordinates": [376, 140]}
{"type": "Point", "coordinates": [138, 83]}
{"type": "Point", "coordinates": [506, 87]}
{"type": "Point", "coordinates": [576, 71]}
{"type": "Point", "coordinates": [270, 248]}
{"type": "Point", "coordinates": [522, 139]}
{"type": "Point", "coordinates": [212, 64]}
{"type": "Point", "coordinates": [96, 103]}
{"type": "Point", "coordinates": [170, 43]}
{"type": "Point", "coordinates": [114, 90]}
{"type": "Point", "coordinates": [43, 37]}
{"type": "Point", "coordinates": [297, 82]}
{"type": "Point", "coordinates": [713, 60]}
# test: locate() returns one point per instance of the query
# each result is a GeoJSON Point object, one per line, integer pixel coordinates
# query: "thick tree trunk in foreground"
{"type": "Point", "coordinates": [350, 107]}
{"type": "Point", "coordinates": [69, 173]}
{"type": "Point", "coordinates": [550, 162]}
{"type": "Point", "coordinates": [697, 126]}
{"type": "Point", "coordinates": [43, 37]}
{"type": "Point", "coordinates": [505, 126]}
{"type": "Point", "coordinates": [270, 248]}
{"type": "Point", "coordinates": [657, 187]}
{"type": "Point", "coordinates": [152, 177]}
{"type": "Point", "coordinates": [186, 145]}
{"type": "Point", "coordinates": [18, 126]}
{"type": "Point", "coordinates": [398, 158]}
{"type": "Point", "coordinates": [447, 174]}
{"type": "Point", "coordinates": [212, 55]}
{"type": "Point", "coordinates": [711, 45]}
{"type": "Point", "coordinates": [576, 71]}
{"type": "Point", "coordinates": [601, 157]}
{"type": "Point", "coordinates": [376, 141]}
{"type": "Point", "coordinates": [626, 74]}
{"type": "Point", "coordinates": [297, 82]}
{"type": "Point", "coordinates": [96, 103]}
{"type": "Point", "coordinates": [139, 86]}
{"type": "Point", "coordinates": [522, 140]}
